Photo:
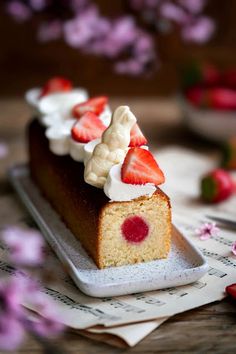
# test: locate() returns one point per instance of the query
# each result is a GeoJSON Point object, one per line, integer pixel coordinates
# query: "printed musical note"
{"type": "Point", "coordinates": [175, 291]}
{"type": "Point", "coordinates": [222, 240]}
{"type": "Point", "coordinates": [118, 304]}
{"type": "Point", "coordinates": [149, 299]}
{"type": "Point", "coordinates": [199, 285]}
{"type": "Point", "coordinates": [223, 259]}
{"type": "Point", "coordinates": [77, 306]}
{"type": "Point", "coordinates": [68, 281]}
{"type": "Point", "coordinates": [216, 272]}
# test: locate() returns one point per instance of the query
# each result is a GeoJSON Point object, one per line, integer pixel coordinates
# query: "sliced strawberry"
{"type": "Point", "coordinates": [56, 84]}
{"type": "Point", "coordinates": [88, 127]}
{"type": "Point", "coordinates": [140, 167]}
{"type": "Point", "coordinates": [136, 137]}
{"type": "Point", "coordinates": [95, 105]}
{"type": "Point", "coordinates": [231, 290]}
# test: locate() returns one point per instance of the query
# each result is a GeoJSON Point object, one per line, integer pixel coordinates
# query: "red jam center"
{"type": "Point", "coordinates": [134, 229]}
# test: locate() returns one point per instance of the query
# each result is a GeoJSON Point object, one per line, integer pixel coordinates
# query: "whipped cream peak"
{"type": "Point", "coordinates": [52, 119]}
{"type": "Point", "coordinates": [61, 102]}
{"type": "Point", "coordinates": [112, 149]}
{"type": "Point", "coordinates": [32, 96]}
{"type": "Point", "coordinates": [76, 150]}
{"type": "Point", "coordinates": [59, 137]}
{"type": "Point", "coordinates": [119, 191]}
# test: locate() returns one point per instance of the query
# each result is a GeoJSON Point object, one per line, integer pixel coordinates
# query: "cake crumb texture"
{"type": "Point", "coordinates": [114, 250]}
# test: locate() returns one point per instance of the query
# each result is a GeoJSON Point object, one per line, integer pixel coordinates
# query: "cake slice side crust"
{"type": "Point", "coordinates": [115, 250]}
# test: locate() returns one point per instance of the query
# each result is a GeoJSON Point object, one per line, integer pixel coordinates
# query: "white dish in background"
{"type": "Point", "coordinates": [184, 265]}
{"type": "Point", "coordinates": [211, 124]}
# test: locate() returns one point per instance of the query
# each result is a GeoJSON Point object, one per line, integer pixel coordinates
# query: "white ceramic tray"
{"type": "Point", "coordinates": [184, 265]}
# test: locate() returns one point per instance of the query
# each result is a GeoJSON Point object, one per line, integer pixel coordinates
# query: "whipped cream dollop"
{"type": "Point", "coordinates": [59, 127]}
{"type": "Point", "coordinates": [33, 98]}
{"type": "Point", "coordinates": [52, 119]}
{"type": "Point", "coordinates": [76, 150]}
{"type": "Point", "coordinates": [119, 191]}
{"type": "Point", "coordinates": [56, 117]}
{"type": "Point", "coordinates": [59, 137]}
{"type": "Point", "coordinates": [61, 102]}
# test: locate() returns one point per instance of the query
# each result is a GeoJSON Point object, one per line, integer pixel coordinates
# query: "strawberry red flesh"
{"type": "Point", "coordinates": [56, 84]}
{"type": "Point", "coordinates": [88, 127]}
{"type": "Point", "coordinates": [217, 186]}
{"type": "Point", "coordinates": [95, 105]}
{"type": "Point", "coordinates": [136, 137]}
{"type": "Point", "coordinates": [135, 229]}
{"type": "Point", "coordinates": [140, 167]}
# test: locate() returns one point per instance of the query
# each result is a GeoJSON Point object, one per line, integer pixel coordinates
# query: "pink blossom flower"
{"type": "Point", "coordinates": [48, 323]}
{"type": "Point", "coordinates": [25, 246]}
{"type": "Point", "coordinates": [142, 4]}
{"type": "Point", "coordinates": [18, 10]}
{"type": "Point", "coordinates": [123, 33]}
{"type": "Point", "coordinates": [50, 31]}
{"type": "Point", "coordinates": [41, 302]}
{"type": "Point", "coordinates": [193, 6]}
{"type": "Point", "coordinates": [121, 38]}
{"type": "Point", "coordinates": [78, 5]}
{"type": "Point", "coordinates": [3, 150]}
{"type": "Point", "coordinates": [173, 12]}
{"type": "Point", "coordinates": [131, 66]}
{"type": "Point", "coordinates": [233, 248]}
{"type": "Point", "coordinates": [207, 230]}
{"type": "Point", "coordinates": [47, 326]}
{"type": "Point", "coordinates": [85, 27]}
{"type": "Point", "coordinates": [200, 30]}
{"type": "Point", "coordinates": [11, 295]}
{"type": "Point", "coordinates": [11, 332]}
{"type": "Point", "coordinates": [38, 5]}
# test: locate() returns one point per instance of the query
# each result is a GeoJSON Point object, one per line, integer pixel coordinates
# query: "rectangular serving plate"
{"type": "Point", "coordinates": [185, 263]}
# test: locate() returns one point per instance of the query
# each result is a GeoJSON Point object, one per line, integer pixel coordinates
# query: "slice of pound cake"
{"type": "Point", "coordinates": [112, 204]}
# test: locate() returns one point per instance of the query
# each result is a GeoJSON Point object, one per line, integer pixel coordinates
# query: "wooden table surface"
{"type": "Point", "coordinates": [209, 329]}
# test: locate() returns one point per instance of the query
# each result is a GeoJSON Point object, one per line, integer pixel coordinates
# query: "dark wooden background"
{"type": "Point", "coordinates": [25, 63]}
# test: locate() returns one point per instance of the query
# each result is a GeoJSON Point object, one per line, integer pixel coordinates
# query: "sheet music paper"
{"type": "Point", "coordinates": [183, 169]}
